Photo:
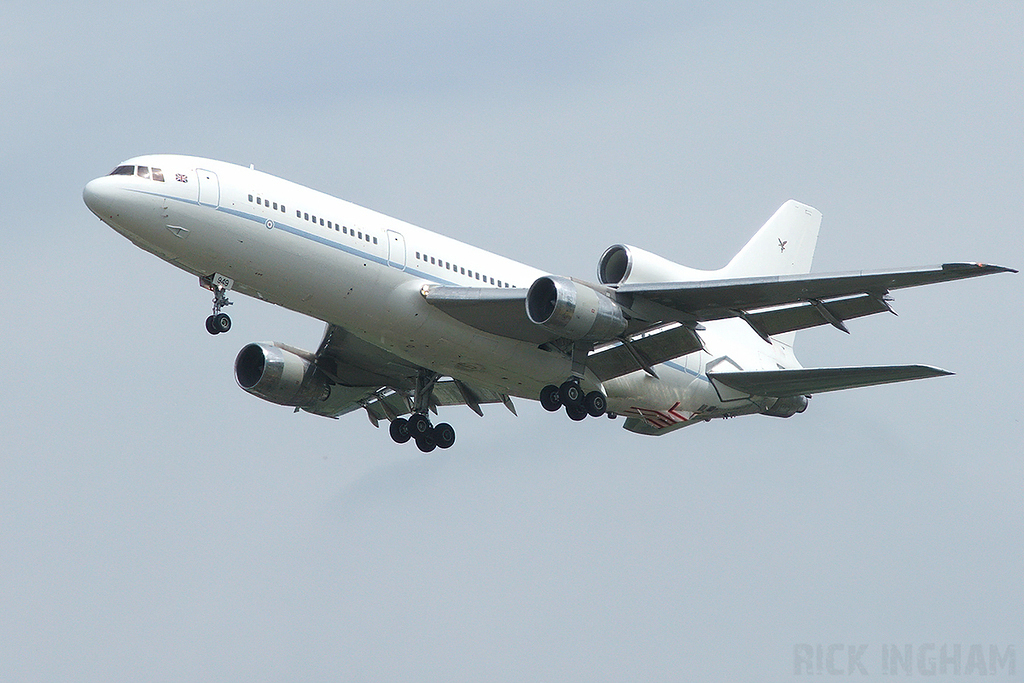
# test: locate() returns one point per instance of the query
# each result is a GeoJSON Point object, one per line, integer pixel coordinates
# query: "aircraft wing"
{"type": "Point", "coordinates": [808, 381]}
{"type": "Point", "coordinates": [717, 299]}
{"type": "Point", "coordinates": [389, 404]}
{"type": "Point", "coordinates": [770, 305]}
{"type": "Point", "coordinates": [498, 311]}
{"type": "Point", "coordinates": [386, 380]}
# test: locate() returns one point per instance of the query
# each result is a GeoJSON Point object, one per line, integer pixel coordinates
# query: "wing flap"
{"type": "Point", "coordinates": [388, 404]}
{"type": "Point", "coordinates": [807, 381]}
{"type": "Point", "coordinates": [649, 348]}
{"type": "Point", "coordinates": [804, 315]}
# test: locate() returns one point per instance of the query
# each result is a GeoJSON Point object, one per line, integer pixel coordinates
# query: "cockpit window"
{"type": "Point", "coordinates": [141, 171]}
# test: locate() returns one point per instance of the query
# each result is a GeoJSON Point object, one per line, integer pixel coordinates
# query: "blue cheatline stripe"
{"type": "Point", "coordinates": [680, 368]}
{"type": "Point", "coordinates": [305, 235]}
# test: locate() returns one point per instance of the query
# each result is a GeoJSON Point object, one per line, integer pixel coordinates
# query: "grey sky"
{"type": "Point", "coordinates": [157, 523]}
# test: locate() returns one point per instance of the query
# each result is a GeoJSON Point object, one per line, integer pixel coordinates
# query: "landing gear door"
{"type": "Point", "coordinates": [209, 187]}
{"type": "Point", "coordinates": [396, 250]}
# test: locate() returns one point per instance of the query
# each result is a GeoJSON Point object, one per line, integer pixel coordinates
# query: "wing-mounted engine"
{"type": "Point", "coordinates": [573, 310]}
{"type": "Point", "coordinates": [280, 374]}
{"type": "Point", "coordinates": [621, 264]}
{"type": "Point", "coordinates": [289, 376]}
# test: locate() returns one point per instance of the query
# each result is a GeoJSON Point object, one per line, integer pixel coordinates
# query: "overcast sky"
{"type": "Point", "coordinates": [159, 524]}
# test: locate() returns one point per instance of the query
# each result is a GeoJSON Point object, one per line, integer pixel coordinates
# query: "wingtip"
{"type": "Point", "coordinates": [986, 267]}
{"type": "Point", "coordinates": [937, 372]}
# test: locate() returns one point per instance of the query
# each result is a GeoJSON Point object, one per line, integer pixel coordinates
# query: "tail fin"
{"type": "Point", "coordinates": [783, 246]}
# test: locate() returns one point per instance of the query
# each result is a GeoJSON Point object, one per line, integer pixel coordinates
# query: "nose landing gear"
{"type": "Point", "coordinates": [218, 323]}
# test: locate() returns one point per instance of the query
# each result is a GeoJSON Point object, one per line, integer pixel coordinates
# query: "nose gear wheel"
{"type": "Point", "coordinates": [218, 323]}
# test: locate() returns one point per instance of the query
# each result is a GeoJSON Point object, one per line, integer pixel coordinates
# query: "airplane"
{"type": "Point", "coordinates": [416, 320]}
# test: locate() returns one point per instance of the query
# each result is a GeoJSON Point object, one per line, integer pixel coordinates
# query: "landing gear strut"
{"type": "Point", "coordinates": [219, 284]}
{"type": "Point", "coordinates": [417, 427]}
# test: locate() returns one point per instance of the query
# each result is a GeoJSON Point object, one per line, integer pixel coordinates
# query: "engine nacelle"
{"type": "Point", "coordinates": [572, 310]}
{"type": "Point", "coordinates": [280, 374]}
{"type": "Point", "coordinates": [787, 407]}
{"type": "Point", "coordinates": [621, 264]}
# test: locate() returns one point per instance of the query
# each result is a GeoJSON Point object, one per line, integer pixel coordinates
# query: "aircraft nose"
{"type": "Point", "coordinates": [97, 195]}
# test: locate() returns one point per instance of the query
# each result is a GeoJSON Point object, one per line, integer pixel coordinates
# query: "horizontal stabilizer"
{"type": "Point", "coordinates": [807, 381]}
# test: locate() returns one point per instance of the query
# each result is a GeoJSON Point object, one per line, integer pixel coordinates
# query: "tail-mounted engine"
{"type": "Point", "coordinates": [573, 310]}
{"type": "Point", "coordinates": [621, 264]}
{"type": "Point", "coordinates": [282, 375]}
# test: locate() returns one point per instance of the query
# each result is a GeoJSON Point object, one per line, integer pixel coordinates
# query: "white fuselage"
{"type": "Point", "coordinates": [364, 271]}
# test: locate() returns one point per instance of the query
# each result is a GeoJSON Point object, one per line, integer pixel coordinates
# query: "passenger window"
{"type": "Point", "coordinates": [250, 198]}
{"type": "Point", "coordinates": [282, 208]}
{"type": "Point", "coordinates": [259, 201]}
{"type": "Point", "coordinates": [321, 221]}
{"type": "Point", "coordinates": [463, 271]}
{"type": "Point", "coordinates": [158, 175]}
{"type": "Point", "coordinates": [375, 240]}
{"type": "Point", "coordinates": [142, 172]}
{"type": "Point", "coordinates": [432, 262]}
{"type": "Point", "coordinates": [298, 214]}
{"type": "Point", "coordinates": [275, 206]}
{"type": "Point", "coordinates": [306, 216]}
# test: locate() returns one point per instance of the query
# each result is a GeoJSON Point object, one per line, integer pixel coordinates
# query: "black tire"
{"type": "Point", "coordinates": [571, 393]}
{"type": "Point", "coordinates": [426, 442]}
{"type": "Point", "coordinates": [399, 430]}
{"type": "Point", "coordinates": [209, 326]}
{"type": "Point", "coordinates": [418, 425]}
{"type": "Point", "coordinates": [595, 403]}
{"type": "Point", "coordinates": [550, 399]}
{"type": "Point", "coordinates": [444, 435]}
{"type": "Point", "coordinates": [575, 412]}
{"type": "Point", "coordinates": [221, 323]}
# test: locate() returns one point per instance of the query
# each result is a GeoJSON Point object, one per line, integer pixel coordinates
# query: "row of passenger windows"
{"type": "Point", "coordinates": [330, 225]}
{"type": "Point", "coordinates": [448, 265]}
{"type": "Point", "coordinates": [260, 201]}
{"type": "Point", "coordinates": [360, 235]}
{"type": "Point", "coordinates": [141, 171]}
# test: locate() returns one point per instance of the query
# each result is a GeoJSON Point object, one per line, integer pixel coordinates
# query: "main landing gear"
{"type": "Point", "coordinates": [578, 405]}
{"type": "Point", "coordinates": [219, 284]}
{"type": "Point", "coordinates": [417, 426]}
{"type": "Point", "coordinates": [427, 436]}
